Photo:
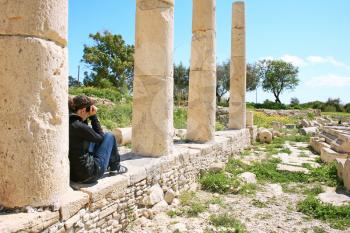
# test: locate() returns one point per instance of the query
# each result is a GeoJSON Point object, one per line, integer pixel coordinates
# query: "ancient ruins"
{"type": "Point", "coordinates": [34, 168]}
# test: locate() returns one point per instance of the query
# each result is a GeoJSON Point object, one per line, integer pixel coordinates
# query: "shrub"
{"type": "Point", "coordinates": [180, 118]}
{"type": "Point", "coordinates": [217, 182]}
{"type": "Point", "coordinates": [337, 216]}
{"type": "Point", "coordinates": [111, 94]}
{"type": "Point", "coordinates": [225, 220]}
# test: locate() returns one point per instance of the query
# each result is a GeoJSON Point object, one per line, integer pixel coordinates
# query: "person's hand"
{"type": "Point", "coordinates": [93, 110]}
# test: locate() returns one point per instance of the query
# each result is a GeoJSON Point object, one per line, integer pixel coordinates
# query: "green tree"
{"type": "Point", "coordinates": [72, 82]}
{"type": "Point", "coordinates": [253, 79]}
{"type": "Point", "coordinates": [181, 80]}
{"type": "Point", "coordinates": [277, 76]}
{"type": "Point", "coordinates": [110, 60]}
{"type": "Point", "coordinates": [222, 80]}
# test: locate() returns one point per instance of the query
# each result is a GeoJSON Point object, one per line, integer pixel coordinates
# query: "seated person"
{"type": "Point", "coordinates": [91, 151]}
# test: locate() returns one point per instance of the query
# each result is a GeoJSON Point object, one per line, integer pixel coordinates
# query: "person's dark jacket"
{"type": "Point", "coordinates": [82, 164]}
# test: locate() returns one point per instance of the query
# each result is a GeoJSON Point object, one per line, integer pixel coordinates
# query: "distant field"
{"type": "Point", "coordinates": [340, 114]}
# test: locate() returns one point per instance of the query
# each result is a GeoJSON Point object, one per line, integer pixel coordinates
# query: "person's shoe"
{"type": "Point", "coordinates": [118, 169]}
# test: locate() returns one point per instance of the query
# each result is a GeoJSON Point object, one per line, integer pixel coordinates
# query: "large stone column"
{"type": "Point", "coordinates": [202, 86]}
{"type": "Point", "coordinates": [152, 123]}
{"type": "Point", "coordinates": [34, 167]}
{"type": "Point", "coordinates": [237, 108]}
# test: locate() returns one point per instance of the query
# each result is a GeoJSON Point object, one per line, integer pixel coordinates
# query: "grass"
{"type": "Point", "coordinates": [217, 182]}
{"type": "Point", "coordinates": [115, 116]}
{"type": "Point", "coordinates": [191, 206]}
{"type": "Point", "coordinates": [258, 203]}
{"type": "Point", "coordinates": [180, 118]}
{"type": "Point", "coordinates": [263, 120]}
{"type": "Point", "coordinates": [225, 220]}
{"type": "Point", "coordinates": [337, 216]}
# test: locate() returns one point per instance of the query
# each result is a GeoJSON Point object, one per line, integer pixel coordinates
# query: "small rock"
{"type": "Point", "coordinates": [169, 196]}
{"type": "Point", "coordinates": [275, 189]}
{"type": "Point", "coordinates": [216, 167]}
{"type": "Point", "coordinates": [160, 207]}
{"type": "Point", "coordinates": [179, 227]}
{"type": "Point", "coordinates": [155, 196]}
{"type": "Point", "coordinates": [248, 177]}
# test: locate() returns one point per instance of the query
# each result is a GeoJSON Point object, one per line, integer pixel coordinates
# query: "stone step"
{"type": "Point", "coordinates": [328, 155]}
{"type": "Point", "coordinates": [340, 167]}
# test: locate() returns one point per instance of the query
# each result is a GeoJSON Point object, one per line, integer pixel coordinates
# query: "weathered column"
{"type": "Point", "coordinates": [237, 108]}
{"type": "Point", "coordinates": [152, 123]}
{"type": "Point", "coordinates": [202, 85]}
{"type": "Point", "coordinates": [34, 168]}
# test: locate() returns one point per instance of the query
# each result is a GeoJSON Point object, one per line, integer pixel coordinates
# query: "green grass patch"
{"type": "Point", "coordinates": [285, 150]}
{"type": "Point", "coordinates": [258, 203]}
{"type": "Point", "coordinates": [115, 116]}
{"type": "Point", "coordinates": [217, 182]}
{"type": "Point", "coordinates": [248, 189]}
{"type": "Point", "coordinates": [191, 206]}
{"type": "Point", "coordinates": [225, 220]}
{"type": "Point", "coordinates": [337, 216]}
{"type": "Point", "coordinates": [180, 118]}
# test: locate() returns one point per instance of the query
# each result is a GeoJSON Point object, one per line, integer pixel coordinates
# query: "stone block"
{"type": "Point", "coordinates": [346, 175]}
{"type": "Point", "coordinates": [201, 106]}
{"type": "Point", "coordinates": [328, 155]}
{"type": "Point", "coordinates": [71, 203]}
{"type": "Point", "coordinates": [169, 196]}
{"type": "Point", "coordinates": [340, 167]}
{"type": "Point", "coordinates": [35, 18]}
{"type": "Point", "coordinates": [333, 197]}
{"type": "Point", "coordinates": [203, 52]}
{"type": "Point", "coordinates": [152, 131]}
{"type": "Point", "coordinates": [154, 38]}
{"type": "Point", "coordinates": [155, 195]}
{"type": "Point", "coordinates": [249, 119]}
{"type": "Point", "coordinates": [309, 130]}
{"type": "Point", "coordinates": [238, 29]}
{"type": "Point", "coordinates": [28, 222]}
{"type": "Point", "coordinates": [203, 13]}
{"type": "Point", "coordinates": [265, 136]}
{"type": "Point", "coordinates": [290, 168]}
{"type": "Point", "coordinates": [104, 187]}
{"type": "Point", "coordinates": [33, 82]}
{"type": "Point", "coordinates": [237, 107]}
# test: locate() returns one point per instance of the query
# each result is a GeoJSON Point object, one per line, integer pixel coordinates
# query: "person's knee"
{"type": "Point", "coordinates": [108, 136]}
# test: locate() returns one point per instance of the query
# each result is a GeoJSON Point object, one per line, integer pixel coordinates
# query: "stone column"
{"type": "Point", "coordinates": [202, 84]}
{"type": "Point", "coordinates": [152, 123]}
{"type": "Point", "coordinates": [34, 167]}
{"type": "Point", "coordinates": [237, 106]}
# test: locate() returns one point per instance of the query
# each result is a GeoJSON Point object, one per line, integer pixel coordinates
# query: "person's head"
{"type": "Point", "coordinates": [80, 105]}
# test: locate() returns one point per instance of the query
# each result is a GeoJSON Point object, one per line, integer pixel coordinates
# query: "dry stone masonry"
{"type": "Point", "coordinates": [152, 120]}
{"type": "Point", "coordinates": [202, 84]}
{"type": "Point", "coordinates": [115, 201]}
{"type": "Point", "coordinates": [34, 168]}
{"type": "Point", "coordinates": [237, 119]}
{"type": "Point", "coordinates": [333, 144]}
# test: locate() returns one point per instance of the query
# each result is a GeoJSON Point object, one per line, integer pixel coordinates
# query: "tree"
{"type": "Point", "coordinates": [72, 82]}
{"type": "Point", "coordinates": [222, 80]}
{"type": "Point", "coordinates": [181, 80]}
{"type": "Point", "coordinates": [294, 101]}
{"type": "Point", "coordinates": [253, 79]}
{"type": "Point", "coordinates": [111, 62]}
{"type": "Point", "coordinates": [277, 76]}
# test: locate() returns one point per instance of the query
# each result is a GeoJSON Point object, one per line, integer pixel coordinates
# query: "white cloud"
{"type": "Point", "coordinates": [295, 60]}
{"type": "Point", "coordinates": [327, 60]}
{"type": "Point", "coordinates": [330, 80]}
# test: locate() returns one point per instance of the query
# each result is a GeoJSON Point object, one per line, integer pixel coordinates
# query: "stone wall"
{"type": "Point", "coordinates": [115, 201]}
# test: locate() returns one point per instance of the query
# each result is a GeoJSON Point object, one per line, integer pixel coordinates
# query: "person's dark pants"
{"type": "Point", "coordinates": [105, 154]}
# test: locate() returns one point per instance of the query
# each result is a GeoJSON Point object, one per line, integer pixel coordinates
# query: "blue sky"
{"type": "Point", "coordinates": [312, 34]}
